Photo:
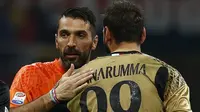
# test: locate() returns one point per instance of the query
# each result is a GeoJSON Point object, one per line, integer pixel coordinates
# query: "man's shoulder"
{"type": "Point", "coordinates": [160, 62]}
{"type": "Point", "coordinates": [32, 73]}
{"type": "Point", "coordinates": [99, 61]}
{"type": "Point", "coordinates": [173, 73]}
{"type": "Point", "coordinates": [34, 67]}
{"type": "Point", "coordinates": [144, 58]}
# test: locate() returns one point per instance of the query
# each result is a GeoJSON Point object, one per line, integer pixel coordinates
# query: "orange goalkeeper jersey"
{"type": "Point", "coordinates": [33, 81]}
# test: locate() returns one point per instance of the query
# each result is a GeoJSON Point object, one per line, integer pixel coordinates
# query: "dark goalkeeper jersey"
{"type": "Point", "coordinates": [132, 82]}
{"type": "Point", "coordinates": [4, 97]}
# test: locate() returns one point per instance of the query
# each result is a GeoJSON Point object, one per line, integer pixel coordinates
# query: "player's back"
{"type": "Point", "coordinates": [129, 82]}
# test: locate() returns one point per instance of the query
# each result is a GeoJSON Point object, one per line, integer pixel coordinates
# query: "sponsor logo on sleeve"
{"type": "Point", "coordinates": [19, 98]}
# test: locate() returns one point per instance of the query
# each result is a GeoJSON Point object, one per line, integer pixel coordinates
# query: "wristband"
{"type": "Point", "coordinates": [53, 96]}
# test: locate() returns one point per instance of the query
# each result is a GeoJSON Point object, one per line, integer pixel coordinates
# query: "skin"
{"type": "Point", "coordinates": [74, 41]}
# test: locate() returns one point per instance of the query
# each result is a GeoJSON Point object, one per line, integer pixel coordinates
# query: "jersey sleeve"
{"type": "Point", "coordinates": [4, 97]}
{"type": "Point", "coordinates": [20, 91]}
{"type": "Point", "coordinates": [177, 94]}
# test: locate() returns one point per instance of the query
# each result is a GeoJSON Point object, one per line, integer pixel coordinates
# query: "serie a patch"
{"type": "Point", "coordinates": [19, 98]}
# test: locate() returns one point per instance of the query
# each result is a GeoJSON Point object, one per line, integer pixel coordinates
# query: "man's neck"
{"type": "Point", "coordinates": [125, 46]}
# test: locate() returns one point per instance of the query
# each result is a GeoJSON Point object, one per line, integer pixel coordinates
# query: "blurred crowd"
{"type": "Point", "coordinates": [28, 26]}
{"type": "Point", "coordinates": [27, 30]}
{"type": "Point", "coordinates": [35, 20]}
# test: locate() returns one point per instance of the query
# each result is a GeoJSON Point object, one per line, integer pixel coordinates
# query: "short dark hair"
{"type": "Point", "coordinates": [125, 21]}
{"type": "Point", "coordinates": [83, 13]}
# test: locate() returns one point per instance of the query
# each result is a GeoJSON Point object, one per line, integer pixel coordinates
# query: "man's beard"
{"type": "Point", "coordinates": [78, 62]}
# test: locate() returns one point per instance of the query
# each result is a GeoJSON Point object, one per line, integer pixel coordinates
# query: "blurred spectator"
{"type": "Point", "coordinates": [27, 29]}
{"type": "Point", "coordinates": [6, 27]}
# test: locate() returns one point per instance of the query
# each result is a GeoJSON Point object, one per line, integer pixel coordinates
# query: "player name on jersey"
{"type": "Point", "coordinates": [118, 71]}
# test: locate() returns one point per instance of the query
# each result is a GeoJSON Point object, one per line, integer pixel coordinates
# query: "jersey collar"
{"type": "Point", "coordinates": [124, 52]}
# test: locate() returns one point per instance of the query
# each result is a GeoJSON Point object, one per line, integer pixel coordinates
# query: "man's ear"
{"type": "Point", "coordinates": [107, 35]}
{"type": "Point", "coordinates": [56, 41]}
{"type": "Point", "coordinates": [143, 38]}
{"type": "Point", "coordinates": [95, 42]}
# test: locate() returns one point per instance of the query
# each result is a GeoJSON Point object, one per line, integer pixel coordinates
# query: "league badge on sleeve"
{"type": "Point", "coordinates": [19, 98]}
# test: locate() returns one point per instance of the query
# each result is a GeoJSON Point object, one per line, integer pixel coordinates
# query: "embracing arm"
{"type": "Point", "coordinates": [42, 104]}
{"type": "Point", "coordinates": [66, 89]}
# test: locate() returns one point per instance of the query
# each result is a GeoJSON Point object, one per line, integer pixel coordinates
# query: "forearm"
{"type": "Point", "coordinates": [42, 104]}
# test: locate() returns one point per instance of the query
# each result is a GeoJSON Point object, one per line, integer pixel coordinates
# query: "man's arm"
{"type": "Point", "coordinates": [176, 97]}
{"type": "Point", "coordinates": [65, 90]}
{"type": "Point", "coordinates": [42, 104]}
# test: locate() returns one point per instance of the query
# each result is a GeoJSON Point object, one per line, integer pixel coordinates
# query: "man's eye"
{"type": "Point", "coordinates": [81, 35]}
{"type": "Point", "coordinates": [64, 34]}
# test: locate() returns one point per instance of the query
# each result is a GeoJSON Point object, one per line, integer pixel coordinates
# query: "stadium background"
{"type": "Point", "coordinates": [27, 30]}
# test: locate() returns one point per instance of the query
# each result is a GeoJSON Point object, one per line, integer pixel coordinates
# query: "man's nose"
{"type": "Point", "coordinates": [71, 42]}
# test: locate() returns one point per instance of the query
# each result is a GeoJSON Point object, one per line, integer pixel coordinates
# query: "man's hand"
{"type": "Point", "coordinates": [68, 86]}
{"type": "Point", "coordinates": [72, 83]}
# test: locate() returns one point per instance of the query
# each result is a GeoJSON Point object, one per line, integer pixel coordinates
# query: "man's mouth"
{"type": "Point", "coordinates": [71, 56]}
